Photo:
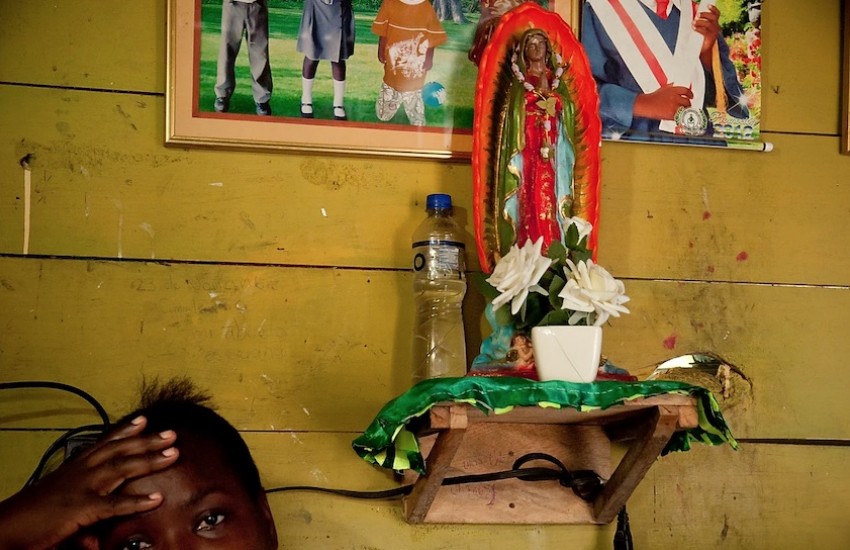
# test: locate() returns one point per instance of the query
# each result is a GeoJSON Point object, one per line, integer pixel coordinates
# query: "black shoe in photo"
{"type": "Point", "coordinates": [222, 104]}
{"type": "Point", "coordinates": [264, 109]}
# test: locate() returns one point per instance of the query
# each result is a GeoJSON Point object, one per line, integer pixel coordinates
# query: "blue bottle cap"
{"type": "Point", "coordinates": [438, 201]}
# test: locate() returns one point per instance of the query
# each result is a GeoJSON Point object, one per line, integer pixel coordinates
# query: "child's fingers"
{"type": "Point", "coordinates": [123, 505]}
{"type": "Point", "coordinates": [124, 459]}
{"type": "Point", "coordinates": [112, 474]}
{"type": "Point", "coordinates": [134, 427]}
{"type": "Point", "coordinates": [137, 445]}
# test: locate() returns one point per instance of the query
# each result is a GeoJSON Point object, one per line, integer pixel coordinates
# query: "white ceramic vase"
{"type": "Point", "coordinates": [569, 353]}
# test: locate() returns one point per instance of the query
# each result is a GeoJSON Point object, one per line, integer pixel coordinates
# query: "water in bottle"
{"type": "Point", "coordinates": [439, 283]}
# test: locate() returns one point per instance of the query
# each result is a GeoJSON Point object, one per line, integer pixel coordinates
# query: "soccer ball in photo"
{"type": "Point", "coordinates": [433, 94]}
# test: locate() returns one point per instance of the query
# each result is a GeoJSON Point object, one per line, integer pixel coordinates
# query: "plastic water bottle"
{"type": "Point", "coordinates": [439, 284]}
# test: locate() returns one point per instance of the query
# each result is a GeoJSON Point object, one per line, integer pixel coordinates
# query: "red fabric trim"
{"type": "Point", "coordinates": [641, 44]}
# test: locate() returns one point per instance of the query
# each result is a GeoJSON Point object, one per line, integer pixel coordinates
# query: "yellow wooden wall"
{"type": "Point", "coordinates": [146, 260]}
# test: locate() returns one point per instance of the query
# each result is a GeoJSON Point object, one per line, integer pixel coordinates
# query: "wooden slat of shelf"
{"type": "Point", "coordinates": [442, 415]}
{"type": "Point", "coordinates": [450, 416]}
{"type": "Point", "coordinates": [493, 447]}
{"type": "Point", "coordinates": [491, 443]}
{"type": "Point", "coordinates": [422, 497]}
{"type": "Point", "coordinates": [635, 464]}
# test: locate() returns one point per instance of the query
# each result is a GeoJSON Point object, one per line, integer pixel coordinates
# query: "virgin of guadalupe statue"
{"type": "Point", "coordinates": [538, 185]}
{"type": "Point", "coordinates": [536, 134]}
{"type": "Point", "coordinates": [535, 153]}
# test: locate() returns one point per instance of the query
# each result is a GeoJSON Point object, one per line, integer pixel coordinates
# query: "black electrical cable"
{"type": "Point", "coordinates": [387, 493]}
{"type": "Point", "coordinates": [35, 384]}
{"type": "Point", "coordinates": [623, 535]}
{"type": "Point", "coordinates": [59, 444]}
{"type": "Point", "coordinates": [63, 439]}
{"type": "Point", "coordinates": [584, 483]}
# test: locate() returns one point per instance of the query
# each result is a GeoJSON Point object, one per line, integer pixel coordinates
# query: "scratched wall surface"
{"type": "Point", "coordinates": [279, 281]}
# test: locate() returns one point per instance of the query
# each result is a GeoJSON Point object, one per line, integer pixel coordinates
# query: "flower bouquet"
{"type": "Point", "coordinates": [561, 287]}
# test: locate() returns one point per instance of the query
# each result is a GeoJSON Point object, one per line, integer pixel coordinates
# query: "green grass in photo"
{"type": "Point", "coordinates": [363, 71]}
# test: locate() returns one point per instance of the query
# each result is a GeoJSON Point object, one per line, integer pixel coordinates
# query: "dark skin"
{"type": "Point", "coordinates": [309, 67]}
{"type": "Point", "coordinates": [131, 492]}
{"type": "Point", "coordinates": [205, 506]}
{"type": "Point", "coordinates": [82, 491]}
{"type": "Point", "coordinates": [663, 103]}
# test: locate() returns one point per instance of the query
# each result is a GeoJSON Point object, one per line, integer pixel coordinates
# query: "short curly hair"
{"type": "Point", "coordinates": [177, 404]}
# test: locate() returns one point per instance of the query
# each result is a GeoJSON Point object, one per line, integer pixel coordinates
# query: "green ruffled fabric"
{"type": "Point", "coordinates": [389, 441]}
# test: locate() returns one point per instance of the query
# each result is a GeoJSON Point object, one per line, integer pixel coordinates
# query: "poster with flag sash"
{"type": "Point", "coordinates": [685, 72]}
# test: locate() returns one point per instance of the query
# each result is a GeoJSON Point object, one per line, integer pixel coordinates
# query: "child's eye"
{"type": "Point", "coordinates": [209, 521]}
{"type": "Point", "coordinates": [136, 544]}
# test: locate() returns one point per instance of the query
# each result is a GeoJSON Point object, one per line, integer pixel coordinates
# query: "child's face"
{"type": "Point", "coordinates": [204, 506]}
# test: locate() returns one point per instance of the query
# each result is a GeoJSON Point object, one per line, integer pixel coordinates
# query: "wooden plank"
{"type": "Point", "coordinates": [698, 499]}
{"type": "Point", "coordinates": [702, 498]}
{"type": "Point", "coordinates": [787, 103]}
{"type": "Point", "coordinates": [105, 186]}
{"type": "Point", "coordinates": [20, 453]}
{"type": "Point", "coordinates": [446, 446]}
{"type": "Point", "coordinates": [784, 339]}
{"type": "Point", "coordinates": [571, 435]}
{"type": "Point", "coordinates": [702, 214]}
{"type": "Point", "coordinates": [761, 497]}
{"type": "Point", "coordinates": [642, 453]}
{"type": "Point", "coordinates": [103, 325]}
{"type": "Point", "coordinates": [280, 348]}
{"type": "Point", "coordinates": [494, 447]}
{"type": "Point", "coordinates": [448, 416]}
{"type": "Point", "coordinates": [85, 44]}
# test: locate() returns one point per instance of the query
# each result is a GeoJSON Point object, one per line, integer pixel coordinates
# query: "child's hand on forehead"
{"type": "Point", "coordinates": [84, 490]}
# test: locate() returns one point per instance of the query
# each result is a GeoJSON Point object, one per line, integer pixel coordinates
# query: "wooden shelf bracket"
{"type": "Point", "coordinates": [461, 440]}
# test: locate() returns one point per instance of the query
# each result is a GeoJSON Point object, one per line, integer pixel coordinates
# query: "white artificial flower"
{"type": "Point", "coordinates": [592, 292]}
{"type": "Point", "coordinates": [584, 227]}
{"type": "Point", "coordinates": [518, 273]}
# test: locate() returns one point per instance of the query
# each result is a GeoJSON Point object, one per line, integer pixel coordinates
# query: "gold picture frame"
{"type": "Point", "coordinates": [187, 124]}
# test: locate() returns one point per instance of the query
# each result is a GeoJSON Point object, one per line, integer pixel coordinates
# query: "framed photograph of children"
{"type": "Point", "coordinates": [685, 72]}
{"type": "Point", "coordinates": [385, 77]}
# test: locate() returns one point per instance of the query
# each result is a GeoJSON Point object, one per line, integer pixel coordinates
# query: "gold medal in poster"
{"type": "Point", "coordinates": [691, 121]}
